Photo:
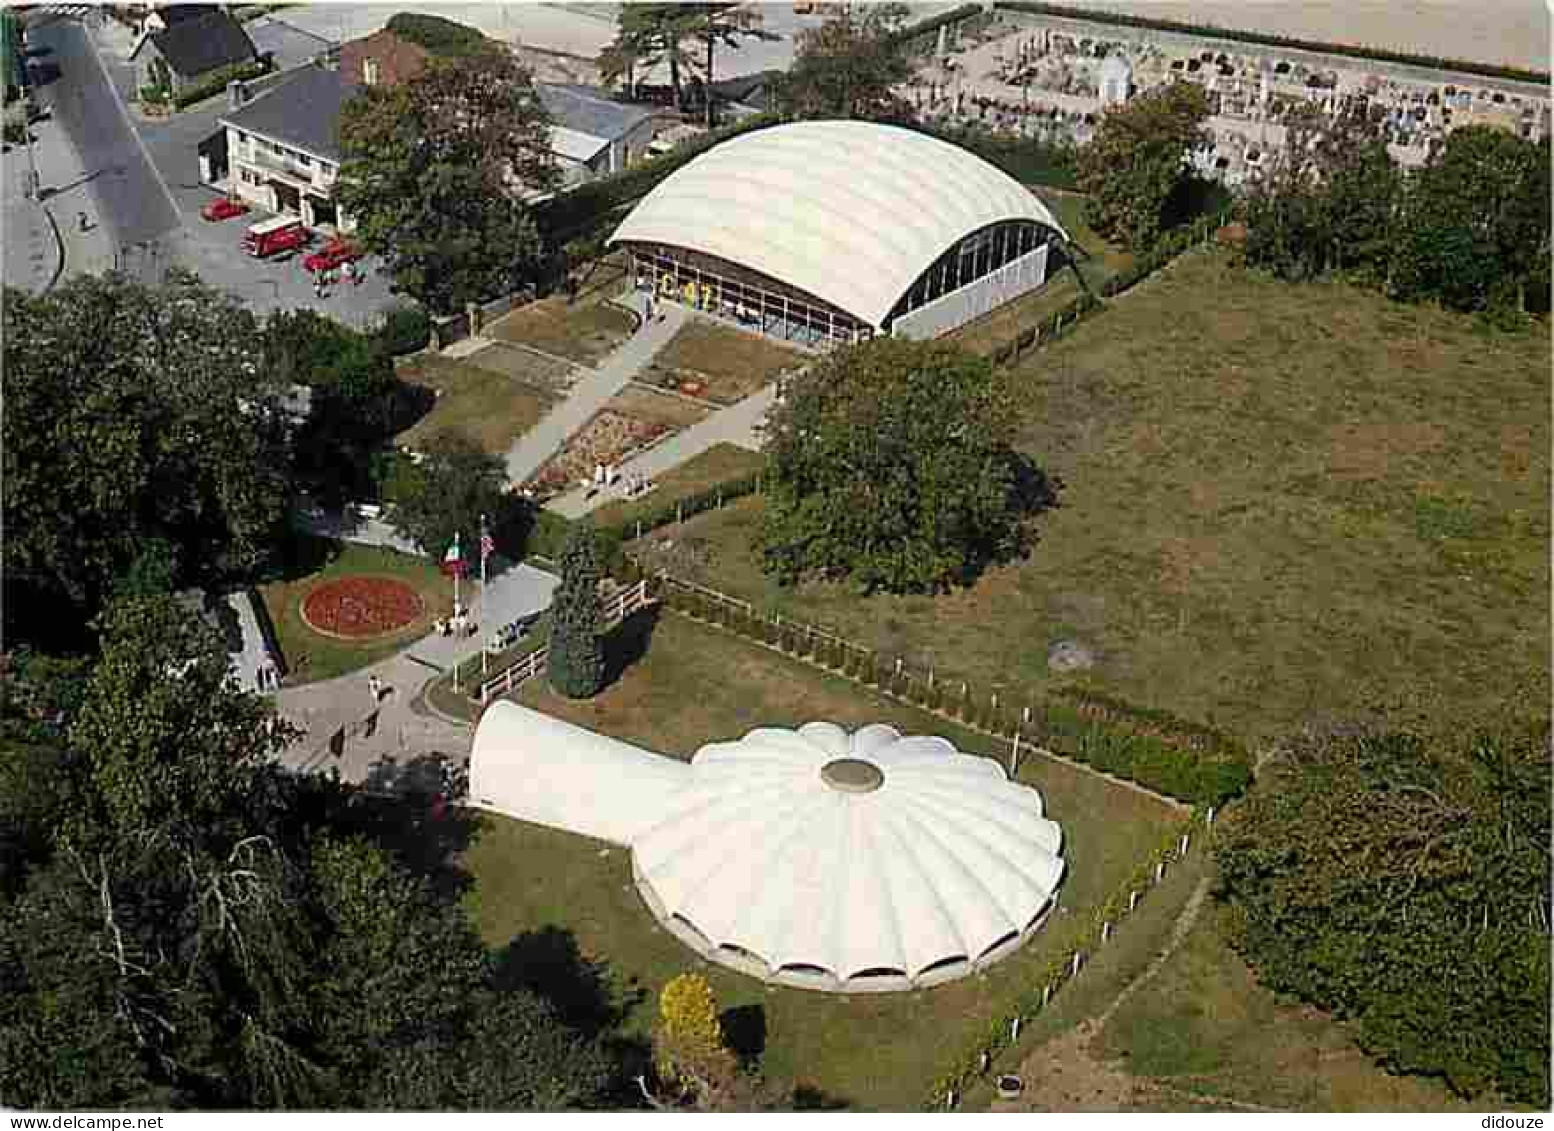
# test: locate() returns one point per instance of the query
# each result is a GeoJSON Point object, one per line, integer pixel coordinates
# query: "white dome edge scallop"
{"type": "Point", "coordinates": [930, 866]}
{"type": "Point", "coordinates": [851, 212]}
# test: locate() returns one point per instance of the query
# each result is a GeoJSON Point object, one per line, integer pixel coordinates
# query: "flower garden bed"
{"type": "Point", "coordinates": [606, 439]}
{"type": "Point", "coordinates": [361, 607]}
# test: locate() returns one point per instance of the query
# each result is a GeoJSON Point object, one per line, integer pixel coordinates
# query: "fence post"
{"type": "Point", "coordinates": [1078, 959]}
{"type": "Point", "coordinates": [1159, 871]}
{"type": "Point", "coordinates": [1133, 900]}
{"type": "Point", "coordinates": [720, 498]}
{"type": "Point", "coordinates": [1183, 850]}
{"type": "Point", "coordinates": [639, 530]}
{"type": "Point", "coordinates": [1106, 930]}
{"type": "Point", "coordinates": [679, 512]}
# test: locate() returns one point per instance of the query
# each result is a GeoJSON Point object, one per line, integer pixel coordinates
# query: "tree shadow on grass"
{"type": "Point", "coordinates": [298, 555]}
{"type": "Point", "coordinates": [744, 1031]}
{"type": "Point", "coordinates": [628, 643]}
{"type": "Point", "coordinates": [549, 964]}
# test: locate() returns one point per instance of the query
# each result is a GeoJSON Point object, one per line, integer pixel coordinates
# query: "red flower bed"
{"type": "Point", "coordinates": [358, 607]}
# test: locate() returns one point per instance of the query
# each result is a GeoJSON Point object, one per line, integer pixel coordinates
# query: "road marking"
{"type": "Point", "coordinates": [129, 124]}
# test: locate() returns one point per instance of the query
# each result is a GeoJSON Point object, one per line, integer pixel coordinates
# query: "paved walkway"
{"type": "Point", "coordinates": [738, 424]}
{"type": "Point", "coordinates": [591, 392]}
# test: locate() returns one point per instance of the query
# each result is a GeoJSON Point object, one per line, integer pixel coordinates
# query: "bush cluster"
{"type": "Point", "coordinates": [216, 82]}
{"type": "Point", "coordinates": [405, 329]}
{"type": "Point", "coordinates": [1268, 39]}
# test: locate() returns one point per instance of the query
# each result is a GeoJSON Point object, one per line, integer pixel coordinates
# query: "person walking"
{"type": "Point", "coordinates": [375, 685]}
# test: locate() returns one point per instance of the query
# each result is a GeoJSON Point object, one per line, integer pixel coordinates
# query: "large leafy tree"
{"type": "Point", "coordinates": [1330, 202]}
{"type": "Point", "coordinates": [437, 172]}
{"type": "Point", "coordinates": [576, 659]}
{"type": "Point", "coordinates": [138, 420]}
{"type": "Point", "coordinates": [648, 35]}
{"type": "Point", "coordinates": [1406, 884]}
{"type": "Point", "coordinates": [1475, 226]}
{"type": "Point", "coordinates": [850, 66]}
{"type": "Point", "coordinates": [723, 24]}
{"type": "Point", "coordinates": [1137, 162]}
{"type": "Point", "coordinates": [182, 925]}
{"type": "Point", "coordinates": [890, 463]}
{"type": "Point", "coordinates": [446, 494]}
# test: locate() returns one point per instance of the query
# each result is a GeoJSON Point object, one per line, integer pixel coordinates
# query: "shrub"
{"type": "Point", "coordinates": [405, 329]}
{"type": "Point", "coordinates": [216, 82]}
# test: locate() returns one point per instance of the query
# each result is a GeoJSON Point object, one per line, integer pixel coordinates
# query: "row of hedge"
{"type": "Point", "coordinates": [1269, 39]}
{"type": "Point", "coordinates": [967, 1067]}
{"type": "Point", "coordinates": [1173, 757]}
{"type": "Point", "coordinates": [216, 82]}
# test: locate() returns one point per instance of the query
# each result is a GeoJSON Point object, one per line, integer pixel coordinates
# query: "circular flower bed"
{"type": "Point", "coordinates": [359, 607]}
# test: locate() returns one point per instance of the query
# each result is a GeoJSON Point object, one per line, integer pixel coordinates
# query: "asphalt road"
{"type": "Point", "coordinates": [131, 201]}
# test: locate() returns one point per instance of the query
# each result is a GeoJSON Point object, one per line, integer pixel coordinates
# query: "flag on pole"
{"type": "Point", "coordinates": [487, 546]}
{"type": "Point", "coordinates": [453, 560]}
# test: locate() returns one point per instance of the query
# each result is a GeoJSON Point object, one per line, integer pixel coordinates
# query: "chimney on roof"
{"type": "Point", "coordinates": [237, 94]}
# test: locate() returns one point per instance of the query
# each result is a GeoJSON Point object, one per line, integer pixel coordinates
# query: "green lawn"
{"type": "Point", "coordinates": [1280, 504]}
{"type": "Point", "coordinates": [487, 407]}
{"type": "Point", "coordinates": [311, 657]}
{"type": "Point", "coordinates": [682, 684]}
{"type": "Point", "coordinates": [717, 464]}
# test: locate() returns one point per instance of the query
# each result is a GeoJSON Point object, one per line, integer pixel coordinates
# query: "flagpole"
{"type": "Point", "coordinates": [485, 653]}
{"type": "Point", "coordinates": [456, 571]}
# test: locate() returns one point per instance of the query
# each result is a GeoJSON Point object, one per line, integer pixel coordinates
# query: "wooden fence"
{"type": "Point", "coordinates": [617, 607]}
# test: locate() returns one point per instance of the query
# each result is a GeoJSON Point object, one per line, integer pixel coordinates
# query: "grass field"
{"type": "Point", "coordinates": [730, 364]}
{"type": "Point", "coordinates": [486, 407]}
{"type": "Point", "coordinates": [311, 657]}
{"type": "Point", "coordinates": [1280, 504]}
{"type": "Point", "coordinates": [680, 684]}
{"type": "Point", "coordinates": [718, 464]}
{"type": "Point", "coordinates": [584, 332]}
{"type": "Point", "coordinates": [1205, 1027]}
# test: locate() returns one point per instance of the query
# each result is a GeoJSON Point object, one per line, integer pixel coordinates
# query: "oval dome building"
{"type": "Point", "coordinates": [851, 862]}
{"type": "Point", "coordinates": [819, 232]}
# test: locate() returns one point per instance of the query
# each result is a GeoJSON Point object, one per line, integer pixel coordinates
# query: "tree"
{"type": "Point", "coordinates": [1329, 202]}
{"type": "Point", "coordinates": [727, 24]}
{"type": "Point", "coordinates": [850, 66]}
{"type": "Point", "coordinates": [1137, 161]}
{"type": "Point", "coordinates": [1405, 883]}
{"type": "Point", "coordinates": [356, 402]}
{"type": "Point", "coordinates": [576, 661]}
{"type": "Point", "coordinates": [446, 493]}
{"type": "Point", "coordinates": [648, 34]}
{"type": "Point", "coordinates": [136, 414]}
{"type": "Point", "coordinates": [688, 1047]}
{"type": "Point", "coordinates": [1474, 231]}
{"type": "Point", "coordinates": [437, 173]}
{"type": "Point", "coordinates": [890, 463]}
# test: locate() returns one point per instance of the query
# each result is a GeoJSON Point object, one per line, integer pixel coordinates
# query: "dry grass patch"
{"type": "Point", "coordinates": [663, 410]}
{"type": "Point", "coordinates": [584, 332]}
{"type": "Point", "coordinates": [1204, 545]}
{"type": "Point", "coordinates": [526, 365]}
{"type": "Point", "coordinates": [719, 362]}
{"type": "Point", "coordinates": [488, 408]}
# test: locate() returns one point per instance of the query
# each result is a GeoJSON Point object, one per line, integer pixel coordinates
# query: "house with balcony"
{"type": "Point", "coordinates": [283, 147]}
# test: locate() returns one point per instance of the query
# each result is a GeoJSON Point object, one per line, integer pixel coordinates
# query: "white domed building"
{"type": "Point", "coordinates": [835, 231]}
{"type": "Point", "coordinates": [851, 862]}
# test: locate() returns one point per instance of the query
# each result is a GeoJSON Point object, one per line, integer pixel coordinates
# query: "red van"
{"type": "Point", "coordinates": [283, 233]}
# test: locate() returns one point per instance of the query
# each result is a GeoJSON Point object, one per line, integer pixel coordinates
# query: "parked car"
{"type": "Point", "coordinates": [271, 237]}
{"type": "Point", "coordinates": [224, 209]}
{"type": "Point", "coordinates": [335, 253]}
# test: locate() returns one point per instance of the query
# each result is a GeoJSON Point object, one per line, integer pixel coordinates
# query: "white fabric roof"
{"type": "Point", "coordinates": [536, 768]}
{"type": "Point", "coordinates": [945, 859]}
{"type": "Point", "coordinates": [852, 212]}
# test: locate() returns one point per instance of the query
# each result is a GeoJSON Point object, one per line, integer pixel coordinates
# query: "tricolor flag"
{"type": "Point", "coordinates": [487, 547]}
{"type": "Point", "coordinates": [453, 560]}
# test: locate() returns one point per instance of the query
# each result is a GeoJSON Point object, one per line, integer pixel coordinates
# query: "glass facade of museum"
{"type": "Point", "coordinates": [973, 258]}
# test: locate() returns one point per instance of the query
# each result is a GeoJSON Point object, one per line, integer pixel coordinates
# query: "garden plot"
{"type": "Point", "coordinates": [719, 363]}
{"type": "Point", "coordinates": [486, 406]}
{"type": "Point", "coordinates": [630, 421]}
{"type": "Point", "coordinates": [584, 332]}
{"type": "Point", "coordinates": [526, 365]}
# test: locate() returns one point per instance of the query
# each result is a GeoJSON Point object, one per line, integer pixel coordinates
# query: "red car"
{"type": "Point", "coordinates": [223, 209]}
{"type": "Point", "coordinates": [335, 253]}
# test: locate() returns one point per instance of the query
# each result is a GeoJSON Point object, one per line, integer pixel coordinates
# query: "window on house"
{"type": "Point", "coordinates": [370, 72]}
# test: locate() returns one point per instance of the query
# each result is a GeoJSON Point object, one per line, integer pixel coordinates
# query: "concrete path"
{"type": "Point", "coordinates": [591, 392]}
{"type": "Point", "coordinates": [738, 424]}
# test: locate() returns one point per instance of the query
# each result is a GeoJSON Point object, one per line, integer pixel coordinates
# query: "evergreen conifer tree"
{"type": "Point", "coordinates": [576, 662]}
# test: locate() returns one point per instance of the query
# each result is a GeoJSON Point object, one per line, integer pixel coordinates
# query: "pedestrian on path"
{"type": "Point", "coordinates": [375, 685]}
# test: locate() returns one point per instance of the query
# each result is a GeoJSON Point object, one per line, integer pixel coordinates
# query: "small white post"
{"type": "Point", "coordinates": [1209, 817]}
{"type": "Point", "coordinates": [1133, 900]}
{"type": "Point", "coordinates": [1014, 1025]}
{"type": "Point", "coordinates": [984, 1062]}
{"type": "Point", "coordinates": [1159, 871]}
{"type": "Point", "coordinates": [1014, 755]}
{"type": "Point", "coordinates": [898, 665]}
{"type": "Point", "coordinates": [1183, 851]}
{"type": "Point", "coordinates": [1046, 994]}
{"type": "Point", "coordinates": [930, 677]}
{"type": "Point", "coordinates": [1078, 958]}
{"type": "Point", "coordinates": [1028, 717]}
{"type": "Point", "coordinates": [679, 512]}
{"type": "Point", "coordinates": [1106, 931]}
{"type": "Point", "coordinates": [949, 1100]}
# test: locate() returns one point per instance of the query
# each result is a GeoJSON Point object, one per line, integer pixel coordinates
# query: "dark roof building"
{"type": "Point", "coordinates": [589, 110]}
{"type": "Point", "coordinates": [193, 47]}
{"type": "Point", "coordinates": [303, 112]}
